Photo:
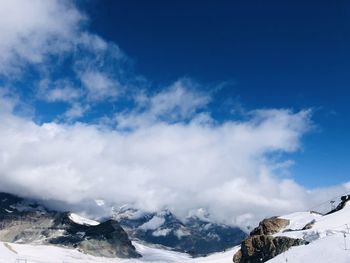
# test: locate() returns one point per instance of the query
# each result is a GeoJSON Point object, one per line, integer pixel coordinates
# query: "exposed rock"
{"type": "Point", "coordinates": [270, 226]}
{"type": "Point", "coordinates": [343, 200]}
{"type": "Point", "coordinates": [309, 225]}
{"type": "Point", "coordinates": [106, 239]}
{"type": "Point", "coordinates": [195, 236]}
{"type": "Point", "coordinates": [237, 257]}
{"type": "Point", "coordinates": [23, 221]}
{"type": "Point", "coordinates": [260, 248]}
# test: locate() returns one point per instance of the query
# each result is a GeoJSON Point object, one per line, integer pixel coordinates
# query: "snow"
{"type": "Point", "coordinates": [161, 232]}
{"type": "Point", "coordinates": [82, 220]}
{"type": "Point", "coordinates": [51, 254]}
{"type": "Point", "coordinates": [299, 219]}
{"type": "Point", "coordinates": [329, 239]}
{"type": "Point", "coordinates": [222, 257]}
{"type": "Point", "coordinates": [125, 212]}
{"type": "Point", "coordinates": [153, 224]}
{"type": "Point", "coordinates": [335, 220]}
{"type": "Point", "coordinates": [329, 242]}
{"type": "Point", "coordinates": [326, 250]}
{"type": "Point", "coordinates": [181, 233]}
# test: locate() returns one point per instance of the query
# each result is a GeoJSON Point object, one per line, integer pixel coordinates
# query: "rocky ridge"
{"type": "Point", "coordinates": [197, 235]}
{"type": "Point", "coordinates": [27, 222]}
{"type": "Point", "coordinates": [270, 239]}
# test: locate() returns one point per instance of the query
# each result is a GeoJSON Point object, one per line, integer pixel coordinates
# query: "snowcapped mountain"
{"type": "Point", "coordinates": [327, 238]}
{"type": "Point", "coordinates": [196, 235]}
{"type": "Point", "coordinates": [26, 222]}
{"type": "Point", "coordinates": [27, 229]}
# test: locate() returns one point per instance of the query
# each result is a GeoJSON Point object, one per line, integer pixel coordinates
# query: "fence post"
{"type": "Point", "coordinates": [345, 248]}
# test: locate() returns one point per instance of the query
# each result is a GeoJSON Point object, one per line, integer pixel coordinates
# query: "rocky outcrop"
{"type": "Point", "coordinates": [107, 239]}
{"type": "Point", "coordinates": [260, 248]}
{"type": "Point", "coordinates": [270, 226]}
{"type": "Point", "coordinates": [309, 225]}
{"type": "Point", "coordinates": [23, 221]}
{"type": "Point", "coordinates": [343, 200]}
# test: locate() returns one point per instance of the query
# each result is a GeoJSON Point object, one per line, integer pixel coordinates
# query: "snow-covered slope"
{"type": "Point", "coordinates": [327, 245]}
{"type": "Point", "coordinates": [329, 238]}
{"type": "Point", "coordinates": [51, 254]}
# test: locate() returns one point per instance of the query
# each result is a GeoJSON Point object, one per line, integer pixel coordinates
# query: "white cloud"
{"type": "Point", "coordinates": [41, 34]}
{"type": "Point", "coordinates": [180, 101]}
{"type": "Point", "coordinates": [30, 30]}
{"type": "Point", "coordinates": [76, 111]}
{"type": "Point", "coordinates": [224, 168]}
{"type": "Point", "coordinates": [175, 155]}
{"type": "Point", "coordinates": [62, 90]}
{"type": "Point", "coordinates": [99, 85]}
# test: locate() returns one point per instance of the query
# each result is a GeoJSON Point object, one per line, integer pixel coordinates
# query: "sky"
{"type": "Point", "coordinates": [236, 107]}
{"type": "Point", "coordinates": [284, 54]}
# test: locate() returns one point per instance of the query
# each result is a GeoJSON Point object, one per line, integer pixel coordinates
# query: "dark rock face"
{"type": "Point", "coordinates": [260, 248]}
{"type": "Point", "coordinates": [24, 221]}
{"type": "Point", "coordinates": [343, 200]}
{"type": "Point", "coordinates": [107, 239]}
{"type": "Point", "coordinates": [270, 226]}
{"type": "Point", "coordinates": [197, 237]}
{"type": "Point", "coordinates": [309, 225]}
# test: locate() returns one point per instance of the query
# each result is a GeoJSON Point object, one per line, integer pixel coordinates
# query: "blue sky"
{"type": "Point", "coordinates": [284, 54]}
{"type": "Point", "coordinates": [146, 103]}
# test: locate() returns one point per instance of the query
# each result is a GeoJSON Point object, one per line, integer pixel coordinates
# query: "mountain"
{"type": "Point", "coordinates": [295, 238]}
{"type": "Point", "coordinates": [325, 235]}
{"type": "Point", "coordinates": [27, 222]}
{"type": "Point", "coordinates": [196, 235]}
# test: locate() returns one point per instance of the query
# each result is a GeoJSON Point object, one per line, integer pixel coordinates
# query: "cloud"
{"type": "Point", "coordinates": [99, 85]}
{"type": "Point", "coordinates": [165, 150]}
{"type": "Point", "coordinates": [66, 63]}
{"type": "Point", "coordinates": [178, 102]}
{"type": "Point", "coordinates": [76, 111]}
{"type": "Point", "coordinates": [224, 168]}
{"type": "Point", "coordinates": [55, 91]}
{"type": "Point", "coordinates": [31, 30]}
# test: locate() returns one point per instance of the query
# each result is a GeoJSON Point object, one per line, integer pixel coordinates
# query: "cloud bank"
{"type": "Point", "coordinates": [165, 150]}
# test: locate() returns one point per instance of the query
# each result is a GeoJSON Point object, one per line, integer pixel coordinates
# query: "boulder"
{"type": "Point", "coordinates": [270, 226]}
{"type": "Point", "coordinates": [260, 248]}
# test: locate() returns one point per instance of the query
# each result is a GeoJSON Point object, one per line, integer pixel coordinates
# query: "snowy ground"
{"type": "Point", "coordinates": [329, 237]}
{"type": "Point", "coordinates": [49, 254]}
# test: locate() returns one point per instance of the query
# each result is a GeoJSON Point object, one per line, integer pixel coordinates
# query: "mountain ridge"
{"type": "Point", "coordinates": [27, 222]}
